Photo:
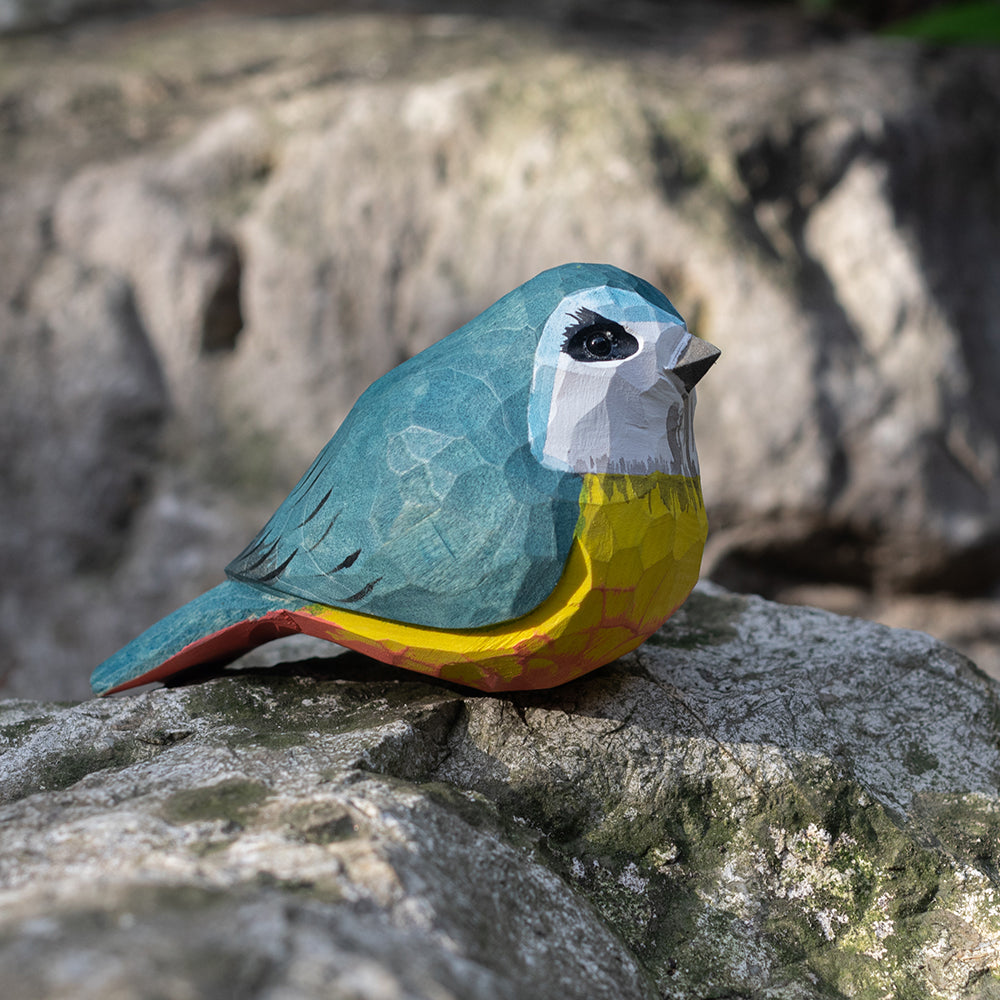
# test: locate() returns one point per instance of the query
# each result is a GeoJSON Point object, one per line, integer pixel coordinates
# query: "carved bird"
{"type": "Point", "coordinates": [513, 507]}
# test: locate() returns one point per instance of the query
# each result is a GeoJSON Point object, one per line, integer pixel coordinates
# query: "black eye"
{"type": "Point", "coordinates": [599, 342]}
{"type": "Point", "coordinates": [594, 338]}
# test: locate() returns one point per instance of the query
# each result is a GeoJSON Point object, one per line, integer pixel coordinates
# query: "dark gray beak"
{"type": "Point", "coordinates": [695, 360]}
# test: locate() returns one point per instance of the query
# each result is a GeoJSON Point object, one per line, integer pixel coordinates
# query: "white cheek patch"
{"type": "Point", "coordinates": [620, 430]}
{"type": "Point", "coordinates": [624, 416]}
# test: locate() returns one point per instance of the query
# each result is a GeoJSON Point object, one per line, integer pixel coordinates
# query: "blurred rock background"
{"type": "Point", "coordinates": [219, 222]}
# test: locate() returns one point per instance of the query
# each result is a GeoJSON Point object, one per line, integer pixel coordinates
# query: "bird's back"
{"type": "Point", "coordinates": [427, 506]}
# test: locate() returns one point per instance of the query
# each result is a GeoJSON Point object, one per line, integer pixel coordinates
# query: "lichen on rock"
{"type": "Point", "coordinates": [765, 801]}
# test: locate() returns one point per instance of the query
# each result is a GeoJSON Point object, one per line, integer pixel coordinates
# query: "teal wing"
{"type": "Point", "coordinates": [427, 506]}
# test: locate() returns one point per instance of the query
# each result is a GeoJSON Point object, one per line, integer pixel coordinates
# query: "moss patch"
{"type": "Point", "coordinates": [234, 800]}
{"type": "Point", "coordinates": [325, 822]}
{"type": "Point", "coordinates": [56, 773]}
{"type": "Point", "coordinates": [14, 733]}
{"type": "Point", "coordinates": [718, 892]}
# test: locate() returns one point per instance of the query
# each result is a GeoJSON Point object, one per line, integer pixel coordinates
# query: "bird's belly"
{"type": "Point", "coordinates": [635, 557]}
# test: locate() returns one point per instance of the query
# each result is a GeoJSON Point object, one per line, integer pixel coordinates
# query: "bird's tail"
{"type": "Point", "coordinates": [214, 628]}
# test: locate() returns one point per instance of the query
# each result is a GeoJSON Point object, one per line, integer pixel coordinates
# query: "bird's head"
{"type": "Point", "coordinates": [613, 383]}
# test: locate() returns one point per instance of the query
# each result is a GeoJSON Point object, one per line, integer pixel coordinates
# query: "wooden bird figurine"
{"type": "Point", "coordinates": [513, 507]}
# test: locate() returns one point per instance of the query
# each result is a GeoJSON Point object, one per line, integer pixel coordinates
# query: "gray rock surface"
{"type": "Point", "coordinates": [762, 801]}
{"type": "Point", "coordinates": [17, 16]}
{"type": "Point", "coordinates": [250, 218]}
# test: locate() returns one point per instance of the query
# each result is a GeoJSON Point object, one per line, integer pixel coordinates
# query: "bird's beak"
{"type": "Point", "coordinates": [696, 358]}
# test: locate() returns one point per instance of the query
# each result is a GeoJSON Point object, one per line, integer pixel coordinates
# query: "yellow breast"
{"type": "Point", "coordinates": [635, 557]}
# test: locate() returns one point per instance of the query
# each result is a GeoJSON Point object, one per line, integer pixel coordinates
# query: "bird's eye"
{"type": "Point", "coordinates": [600, 343]}
{"type": "Point", "coordinates": [594, 338]}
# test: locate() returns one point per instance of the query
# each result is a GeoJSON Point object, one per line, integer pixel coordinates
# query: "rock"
{"type": "Point", "coordinates": [104, 400]}
{"type": "Point", "coordinates": [152, 225]}
{"type": "Point", "coordinates": [762, 801]}
{"type": "Point", "coordinates": [29, 15]}
{"type": "Point", "coordinates": [295, 205]}
{"type": "Point", "coordinates": [84, 405]}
